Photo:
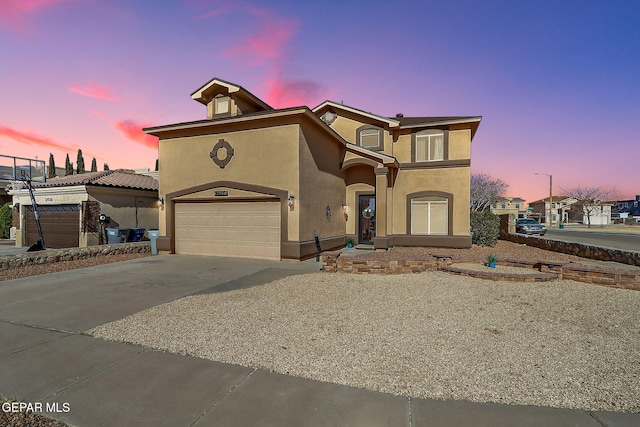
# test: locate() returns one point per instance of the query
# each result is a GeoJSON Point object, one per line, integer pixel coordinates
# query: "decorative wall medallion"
{"type": "Point", "coordinates": [222, 153]}
{"type": "Point", "coordinates": [329, 117]}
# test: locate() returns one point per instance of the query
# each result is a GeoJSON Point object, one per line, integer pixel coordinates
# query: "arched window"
{"type": "Point", "coordinates": [370, 137]}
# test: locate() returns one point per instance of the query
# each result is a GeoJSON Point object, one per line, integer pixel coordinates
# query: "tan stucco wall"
{"type": "Point", "coordinates": [346, 128]}
{"type": "Point", "coordinates": [321, 185]}
{"type": "Point", "coordinates": [448, 180]}
{"type": "Point", "coordinates": [266, 157]}
{"type": "Point", "coordinates": [460, 144]}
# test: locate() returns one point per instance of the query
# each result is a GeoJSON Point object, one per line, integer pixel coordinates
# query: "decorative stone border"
{"type": "Point", "coordinates": [50, 256]}
{"type": "Point", "coordinates": [543, 270]}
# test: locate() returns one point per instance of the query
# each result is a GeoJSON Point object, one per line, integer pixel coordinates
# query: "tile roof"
{"type": "Point", "coordinates": [119, 178]}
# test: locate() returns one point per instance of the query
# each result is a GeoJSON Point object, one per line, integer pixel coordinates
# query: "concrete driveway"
{"type": "Point", "coordinates": [77, 300]}
{"type": "Point", "coordinates": [45, 358]}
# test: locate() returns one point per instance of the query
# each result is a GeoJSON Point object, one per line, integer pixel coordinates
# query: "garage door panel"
{"type": "Point", "coordinates": [60, 225]}
{"type": "Point", "coordinates": [237, 229]}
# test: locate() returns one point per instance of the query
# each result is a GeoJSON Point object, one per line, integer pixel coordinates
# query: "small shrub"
{"type": "Point", "coordinates": [5, 220]}
{"type": "Point", "coordinates": [485, 227]}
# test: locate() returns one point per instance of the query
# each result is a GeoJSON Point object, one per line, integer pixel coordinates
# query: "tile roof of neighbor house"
{"type": "Point", "coordinates": [119, 178]}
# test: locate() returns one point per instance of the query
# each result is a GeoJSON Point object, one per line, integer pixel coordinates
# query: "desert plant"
{"type": "Point", "coordinates": [492, 258]}
{"type": "Point", "coordinates": [349, 241]}
{"type": "Point", "coordinates": [485, 228]}
{"type": "Point", "coordinates": [5, 220]}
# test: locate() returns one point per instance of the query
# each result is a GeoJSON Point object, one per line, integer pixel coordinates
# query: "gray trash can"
{"type": "Point", "coordinates": [113, 236]}
{"type": "Point", "coordinates": [153, 235]}
{"type": "Point", "coordinates": [124, 234]}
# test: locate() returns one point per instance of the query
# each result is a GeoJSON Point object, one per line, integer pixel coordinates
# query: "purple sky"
{"type": "Point", "coordinates": [557, 83]}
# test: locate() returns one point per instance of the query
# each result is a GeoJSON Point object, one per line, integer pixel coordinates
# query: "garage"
{"type": "Point", "coordinates": [248, 229]}
{"type": "Point", "coordinates": [60, 225]}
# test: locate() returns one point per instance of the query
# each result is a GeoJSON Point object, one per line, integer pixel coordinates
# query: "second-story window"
{"type": "Point", "coordinates": [429, 146]}
{"type": "Point", "coordinates": [369, 137]}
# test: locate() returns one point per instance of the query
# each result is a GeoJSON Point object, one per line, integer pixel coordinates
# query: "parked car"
{"type": "Point", "coordinates": [530, 226]}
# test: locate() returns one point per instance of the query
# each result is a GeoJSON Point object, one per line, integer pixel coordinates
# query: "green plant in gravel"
{"type": "Point", "coordinates": [492, 258]}
{"type": "Point", "coordinates": [485, 227]}
{"type": "Point", "coordinates": [5, 220]}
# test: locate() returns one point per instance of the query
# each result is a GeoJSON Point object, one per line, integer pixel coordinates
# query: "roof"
{"type": "Point", "coordinates": [215, 86]}
{"type": "Point", "coordinates": [392, 123]}
{"type": "Point", "coordinates": [117, 178]}
{"type": "Point", "coordinates": [422, 121]}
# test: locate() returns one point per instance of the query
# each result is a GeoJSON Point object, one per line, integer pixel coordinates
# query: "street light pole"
{"type": "Point", "coordinates": [550, 194]}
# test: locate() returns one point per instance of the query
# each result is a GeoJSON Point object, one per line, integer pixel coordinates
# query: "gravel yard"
{"type": "Point", "coordinates": [563, 344]}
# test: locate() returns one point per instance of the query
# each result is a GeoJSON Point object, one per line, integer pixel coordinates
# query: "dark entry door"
{"type": "Point", "coordinates": [367, 223]}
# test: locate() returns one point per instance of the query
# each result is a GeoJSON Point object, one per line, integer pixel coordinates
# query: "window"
{"type": "Point", "coordinates": [504, 205]}
{"type": "Point", "coordinates": [518, 206]}
{"type": "Point", "coordinates": [221, 105]}
{"type": "Point", "coordinates": [429, 146]}
{"type": "Point", "coordinates": [429, 216]}
{"type": "Point", "coordinates": [369, 138]}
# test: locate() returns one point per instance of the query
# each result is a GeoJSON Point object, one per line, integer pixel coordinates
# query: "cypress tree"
{"type": "Point", "coordinates": [80, 163]}
{"type": "Point", "coordinates": [68, 166]}
{"type": "Point", "coordinates": [94, 165]}
{"type": "Point", "coordinates": [51, 173]}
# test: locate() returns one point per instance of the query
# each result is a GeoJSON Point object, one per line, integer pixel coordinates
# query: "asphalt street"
{"type": "Point", "coordinates": [616, 240]}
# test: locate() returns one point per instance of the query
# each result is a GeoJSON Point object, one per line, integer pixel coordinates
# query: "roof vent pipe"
{"type": "Point", "coordinates": [399, 115]}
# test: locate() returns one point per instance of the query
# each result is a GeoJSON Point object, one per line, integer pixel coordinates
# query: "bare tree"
{"type": "Point", "coordinates": [485, 191]}
{"type": "Point", "coordinates": [589, 200]}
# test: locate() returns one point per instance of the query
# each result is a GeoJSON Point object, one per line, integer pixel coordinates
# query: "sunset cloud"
{"type": "Point", "coordinates": [133, 130]}
{"type": "Point", "coordinates": [94, 90]}
{"type": "Point", "coordinates": [32, 139]}
{"type": "Point", "coordinates": [14, 14]}
{"type": "Point", "coordinates": [282, 93]}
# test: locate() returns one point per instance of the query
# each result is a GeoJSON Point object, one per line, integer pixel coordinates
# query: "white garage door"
{"type": "Point", "coordinates": [236, 229]}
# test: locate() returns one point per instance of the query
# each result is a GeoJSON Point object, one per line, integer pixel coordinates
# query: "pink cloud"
{"type": "Point", "coordinates": [267, 44]}
{"type": "Point", "coordinates": [99, 114]}
{"type": "Point", "coordinates": [282, 93]}
{"type": "Point", "coordinates": [32, 139]}
{"type": "Point", "coordinates": [15, 13]}
{"type": "Point", "coordinates": [133, 131]}
{"type": "Point", "coordinates": [93, 90]}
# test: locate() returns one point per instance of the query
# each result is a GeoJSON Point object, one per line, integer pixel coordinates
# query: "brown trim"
{"type": "Point", "coordinates": [445, 142]}
{"type": "Point", "coordinates": [432, 241]}
{"type": "Point", "coordinates": [227, 199]}
{"type": "Point", "coordinates": [359, 162]}
{"type": "Point", "coordinates": [380, 130]}
{"type": "Point", "coordinates": [418, 194]}
{"type": "Point", "coordinates": [281, 195]}
{"type": "Point", "coordinates": [438, 164]}
{"type": "Point", "coordinates": [307, 249]}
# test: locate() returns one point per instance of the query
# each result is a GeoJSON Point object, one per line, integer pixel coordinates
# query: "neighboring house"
{"type": "Point", "coordinates": [69, 207]}
{"type": "Point", "coordinates": [255, 181]}
{"type": "Point", "coordinates": [509, 205]}
{"type": "Point", "coordinates": [562, 209]}
{"type": "Point", "coordinates": [627, 209]}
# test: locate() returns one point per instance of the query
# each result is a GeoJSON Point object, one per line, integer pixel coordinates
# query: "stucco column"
{"type": "Point", "coordinates": [381, 241]}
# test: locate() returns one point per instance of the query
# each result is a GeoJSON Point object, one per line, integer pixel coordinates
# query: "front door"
{"type": "Point", "coordinates": [367, 223]}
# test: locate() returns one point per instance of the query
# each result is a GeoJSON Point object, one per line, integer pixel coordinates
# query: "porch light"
{"type": "Point", "coordinates": [344, 206]}
{"type": "Point", "coordinates": [290, 200]}
{"type": "Point", "coordinates": [161, 200]}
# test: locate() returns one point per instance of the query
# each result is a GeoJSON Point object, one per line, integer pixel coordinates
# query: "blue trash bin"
{"type": "Point", "coordinates": [135, 234]}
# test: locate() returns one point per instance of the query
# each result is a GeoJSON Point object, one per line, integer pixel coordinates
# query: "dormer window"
{"type": "Point", "coordinates": [370, 137]}
{"type": "Point", "coordinates": [221, 105]}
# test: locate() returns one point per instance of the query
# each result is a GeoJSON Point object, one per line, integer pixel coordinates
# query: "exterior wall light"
{"type": "Point", "coordinates": [290, 200]}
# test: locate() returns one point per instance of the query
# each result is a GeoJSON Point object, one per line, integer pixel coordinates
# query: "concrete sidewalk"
{"type": "Point", "coordinates": [44, 357]}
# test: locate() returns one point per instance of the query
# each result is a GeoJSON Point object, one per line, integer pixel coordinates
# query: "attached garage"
{"type": "Point", "coordinates": [249, 229]}
{"type": "Point", "coordinates": [60, 225]}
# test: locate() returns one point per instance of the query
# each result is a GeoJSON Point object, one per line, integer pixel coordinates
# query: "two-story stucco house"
{"type": "Point", "coordinates": [254, 181]}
